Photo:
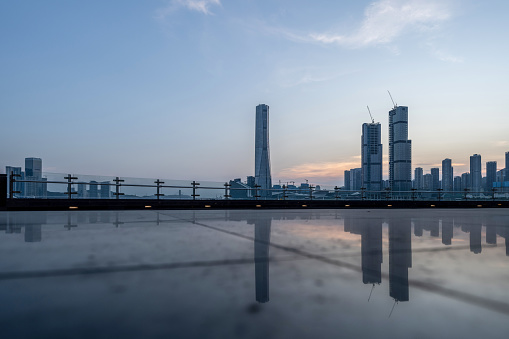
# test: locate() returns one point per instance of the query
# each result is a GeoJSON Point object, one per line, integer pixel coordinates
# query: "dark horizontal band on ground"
{"type": "Point", "coordinates": [134, 204]}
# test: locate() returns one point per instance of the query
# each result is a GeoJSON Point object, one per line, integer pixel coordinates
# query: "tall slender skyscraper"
{"type": "Point", "coordinates": [475, 173]}
{"type": "Point", "coordinates": [263, 177]}
{"type": "Point", "coordinates": [447, 175]}
{"type": "Point", "coordinates": [400, 150]}
{"type": "Point", "coordinates": [371, 154]}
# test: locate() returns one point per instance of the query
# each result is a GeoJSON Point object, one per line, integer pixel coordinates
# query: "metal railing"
{"type": "Point", "coordinates": [83, 187]}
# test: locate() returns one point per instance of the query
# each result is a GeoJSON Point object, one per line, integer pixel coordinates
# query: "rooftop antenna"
{"type": "Point", "coordinates": [372, 120]}
{"type": "Point", "coordinates": [395, 105]}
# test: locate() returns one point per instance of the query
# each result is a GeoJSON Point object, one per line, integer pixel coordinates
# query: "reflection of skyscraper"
{"type": "Point", "coordinates": [447, 230]}
{"type": "Point", "coordinates": [371, 154]}
{"type": "Point", "coordinates": [262, 152]}
{"type": "Point", "coordinates": [400, 150]}
{"type": "Point", "coordinates": [475, 238]}
{"type": "Point", "coordinates": [261, 258]}
{"type": "Point", "coordinates": [371, 248]}
{"type": "Point", "coordinates": [400, 257]}
{"type": "Point", "coordinates": [370, 231]}
{"type": "Point", "coordinates": [491, 234]}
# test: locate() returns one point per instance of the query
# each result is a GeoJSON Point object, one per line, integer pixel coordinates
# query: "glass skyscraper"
{"type": "Point", "coordinates": [263, 177]}
{"type": "Point", "coordinates": [371, 156]}
{"type": "Point", "coordinates": [400, 150]}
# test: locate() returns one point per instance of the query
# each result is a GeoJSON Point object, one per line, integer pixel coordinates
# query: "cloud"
{"type": "Point", "coordinates": [289, 77]}
{"type": "Point", "coordinates": [386, 20]}
{"type": "Point", "coordinates": [202, 6]}
{"type": "Point", "coordinates": [318, 170]}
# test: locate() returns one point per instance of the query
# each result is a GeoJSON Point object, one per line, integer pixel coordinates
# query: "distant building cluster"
{"type": "Point", "coordinates": [22, 187]}
{"type": "Point", "coordinates": [369, 176]}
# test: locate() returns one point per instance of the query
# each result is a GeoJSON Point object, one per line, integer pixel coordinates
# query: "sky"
{"type": "Point", "coordinates": [168, 88]}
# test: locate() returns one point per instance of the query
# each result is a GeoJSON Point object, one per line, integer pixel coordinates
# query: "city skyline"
{"type": "Point", "coordinates": [172, 84]}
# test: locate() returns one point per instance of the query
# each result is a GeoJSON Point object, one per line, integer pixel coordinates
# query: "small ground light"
{"type": "Point", "coordinates": [479, 205]}
{"type": "Point", "coordinates": [207, 206]}
{"type": "Point", "coordinates": [73, 207]}
{"type": "Point", "coordinates": [499, 204]}
{"type": "Point", "coordinates": [148, 206]}
{"type": "Point", "coordinates": [389, 205]}
{"type": "Point", "coordinates": [432, 205]}
{"type": "Point", "coordinates": [347, 205]}
{"type": "Point", "coordinates": [304, 205]}
{"type": "Point", "coordinates": [258, 205]}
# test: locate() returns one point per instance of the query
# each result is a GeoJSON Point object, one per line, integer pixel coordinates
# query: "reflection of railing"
{"type": "Point", "coordinates": [133, 188]}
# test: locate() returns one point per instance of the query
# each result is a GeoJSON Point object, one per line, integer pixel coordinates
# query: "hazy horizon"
{"type": "Point", "coordinates": [168, 89]}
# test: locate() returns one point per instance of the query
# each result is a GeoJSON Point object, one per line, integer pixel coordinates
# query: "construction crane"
{"type": "Point", "coordinates": [395, 105]}
{"type": "Point", "coordinates": [372, 120]}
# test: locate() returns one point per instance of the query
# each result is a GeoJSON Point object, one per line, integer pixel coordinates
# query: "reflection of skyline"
{"type": "Point", "coordinates": [371, 231]}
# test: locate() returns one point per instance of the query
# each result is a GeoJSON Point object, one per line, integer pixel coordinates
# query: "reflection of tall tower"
{"type": "Point", "coordinates": [371, 248]}
{"type": "Point", "coordinates": [370, 231]}
{"type": "Point", "coordinates": [400, 257]}
{"type": "Point", "coordinates": [261, 258]}
{"type": "Point", "coordinates": [447, 230]}
{"type": "Point", "coordinates": [475, 238]}
{"type": "Point", "coordinates": [262, 152]}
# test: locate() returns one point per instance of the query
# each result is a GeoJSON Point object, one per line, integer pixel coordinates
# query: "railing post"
{"type": "Point", "coordinates": [466, 190]}
{"type": "Point", "coordinates": [117, 193]}
{"type": "Point", "coordinates": [363, 190]}
{"type": "Point", "coordinates": [194, 195]}
{"type": "Point", "coordinates": [387, 193]}
{"type": "Point", "coordinates": [439, 190]}
{"type": "Point", "coordinates": [256, 196]}
{"type": "Point", "coordinates": [158, 183]}
{"type": "Point", "coordinates": [413, 193]}
{"type": "Point", "coordinates": [493, 190]}
{"type": "Point", "coordinates": [284, 192]}
{"type": "Point", "coordinates": [311, 192]}
{"type": "Point", "coordinates": [11, 184]}
{"type": "Point", "coordinates": [226, 190]}
{"type": "Point", "coordinates": [336, 192]}
{"type": "Point", "coordinates": [69, 183]}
